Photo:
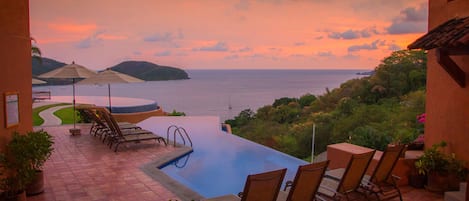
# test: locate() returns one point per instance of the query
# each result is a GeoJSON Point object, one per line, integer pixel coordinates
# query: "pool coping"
{"type": "Point", "coordinates": [152, 170]}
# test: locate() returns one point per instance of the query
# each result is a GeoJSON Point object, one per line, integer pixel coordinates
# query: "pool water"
{"type": "Point", "coordinates": [220, 161]}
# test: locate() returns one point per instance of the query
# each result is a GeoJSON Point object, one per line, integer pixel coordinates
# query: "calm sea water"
{"type": "Point", "coordinates": [212, 92]}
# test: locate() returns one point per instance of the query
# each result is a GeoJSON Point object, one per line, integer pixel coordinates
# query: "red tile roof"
{"type": "Point", "coordinates": [452, 33]}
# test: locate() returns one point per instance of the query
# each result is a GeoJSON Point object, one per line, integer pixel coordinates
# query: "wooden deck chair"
{"type": "Point", "coordinates": [122, 125]}
{"type": "Point", "coordinates": [346, 186]}
{"type": "Point", "coordinates": [103, 128]}
{"type": "Point", "coordinates": [264, 186]}
{"type": "Point", "coordinates": [135, 135]}
{"type": "Point", "coordinates": [96, 128]}
{"type": "Point", "coordinates": [259, 187]}
{"type": "Point", "coordinates": [382, 183]}
{"type": "Point", "coordinates": [306, 183]}
{"type": "Point", "coordinates": [99, 126]}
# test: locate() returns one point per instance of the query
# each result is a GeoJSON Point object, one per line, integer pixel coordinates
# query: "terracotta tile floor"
{"type": "Point", "coordinates": [83, 168]}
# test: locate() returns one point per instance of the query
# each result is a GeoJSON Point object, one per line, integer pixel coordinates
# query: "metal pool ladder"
{"type": "Point", "coordinates": [178, 130]}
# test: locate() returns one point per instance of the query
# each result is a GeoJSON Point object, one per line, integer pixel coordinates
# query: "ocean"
{"type": "Point", "coordinates": [223, 93]}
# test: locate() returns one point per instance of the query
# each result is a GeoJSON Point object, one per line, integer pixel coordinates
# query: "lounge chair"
{"type": "Point", "coordinates": [344, 184]}
{"type": "Point", "coordinates": [105, 129]}
{"type": "Point", "coordinates": [259, 187]}
{"type": "Point", "coordinates": [306, 183]}
{"type": "Point", "coordinates": [134, 135]}
{"type": "Point", "coordinates": [382, 183]}
{"type": "Point", "coordinates": [96, 128]}
{"type": "Point", "coordinates": [99, 126]}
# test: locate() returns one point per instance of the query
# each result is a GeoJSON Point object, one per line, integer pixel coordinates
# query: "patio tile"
{"type": "Point", "coordinates": [83, 168]}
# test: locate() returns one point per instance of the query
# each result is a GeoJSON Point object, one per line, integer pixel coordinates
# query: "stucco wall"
{"type": "Point", "coordinates": [447, 105]}
{"type": "Point", "coordinates": [15, 54]}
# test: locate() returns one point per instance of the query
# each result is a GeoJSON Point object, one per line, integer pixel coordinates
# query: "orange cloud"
{"type": "Point", "coordinates": [216, 34]}
{"type": "Point", "coordinates": [111, 37]}
{"type": "Point", "coordinates": [73, 28]}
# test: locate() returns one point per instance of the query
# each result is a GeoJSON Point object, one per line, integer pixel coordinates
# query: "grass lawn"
{"type": "Point", "coordinates": [66, 115]}
{"type": "Point", "coordinates": [37, 120]}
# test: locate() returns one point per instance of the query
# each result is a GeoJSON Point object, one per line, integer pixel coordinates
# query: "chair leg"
{"type": "Point", "coordinates": [117, 145]}
{"type": "Point", "coordinates": [400, 195]}
{"type": "Point", "coordinates": [159, 140]}
{"type": "Point", "coordinates": [376, 195]}
{"type": "Point", "coordinates": [92, 128]}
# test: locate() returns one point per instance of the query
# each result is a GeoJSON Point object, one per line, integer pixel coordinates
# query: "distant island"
{"type": "Point", "coordinates": [140, 69]}
{"type": "Point", "coordinates": [366, 73]}
{"type": "Point", "coordinates": [149, 71]}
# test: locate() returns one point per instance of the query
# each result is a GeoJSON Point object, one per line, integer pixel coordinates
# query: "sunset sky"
{"type": "Point", "coordinates": [227, 34]}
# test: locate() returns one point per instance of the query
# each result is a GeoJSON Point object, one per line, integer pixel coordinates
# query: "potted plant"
{"type": "Point", "coordinates": [457, 172]}
{"type": "Point", "coordinates": [16, 168]}
{"type": "Point", "coordinates": [40, 142]}
{"type": "Point", "coordinates": [417, 179]}
{"type": "Point", "coordinates": [440, 168]}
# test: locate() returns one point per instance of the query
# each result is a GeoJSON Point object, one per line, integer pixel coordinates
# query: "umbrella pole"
{"type": "Point", "coordinates": [109, 96]}
{"type": "Point", "coordinates": [74, 103]}
{"type": "Point", "coordinates": [74, 131]}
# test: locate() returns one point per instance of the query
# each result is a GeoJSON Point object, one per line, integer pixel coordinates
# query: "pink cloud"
{"type": "Point", "coordinates": [72, 28]}
{"type": "Point", "coordinates": [112, 37]}
{"type": "Point", "coordinates": [214, 34]}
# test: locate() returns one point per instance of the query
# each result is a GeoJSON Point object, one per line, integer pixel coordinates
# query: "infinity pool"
{"type": "Point", "coordinates": [220, 161]}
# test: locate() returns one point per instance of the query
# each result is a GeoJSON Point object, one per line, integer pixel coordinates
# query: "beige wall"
{"type": "Point", "coordinates": [447, 105]}
{"type": "Point", "coordinates": [15, 54]}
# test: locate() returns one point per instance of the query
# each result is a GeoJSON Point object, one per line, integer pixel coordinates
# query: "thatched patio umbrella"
{"type": "Point", "coordinates": [71, 71]}
{"type": "Point", "coordinates": [109, 77]}
{"type": "Point", "coordinates": [38, 81]}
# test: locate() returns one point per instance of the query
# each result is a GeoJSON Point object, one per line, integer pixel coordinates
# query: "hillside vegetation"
{"type": "Point", "coordinates": [370, 111]}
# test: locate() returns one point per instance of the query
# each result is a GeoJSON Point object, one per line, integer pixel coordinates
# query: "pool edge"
{"type": "Point", "coordinates": [152, 170]}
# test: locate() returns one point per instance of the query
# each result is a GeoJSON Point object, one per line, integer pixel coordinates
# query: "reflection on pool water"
{"type": "Point", "coordinates": [220, 161]}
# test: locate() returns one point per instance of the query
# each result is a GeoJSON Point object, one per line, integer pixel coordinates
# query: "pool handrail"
{"type": "Point", "coordinates": [178, 131]}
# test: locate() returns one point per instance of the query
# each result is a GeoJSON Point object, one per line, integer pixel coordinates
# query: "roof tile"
{"type": "Point", "coordinates": [452, 33]}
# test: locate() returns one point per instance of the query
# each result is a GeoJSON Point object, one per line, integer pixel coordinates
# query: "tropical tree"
{"type": "Point", "coordinates": [400, 73]}
{"type": "Point", "coordinates": [371, 111]}
{"type": "Point", "coordinates": [35, 51]}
